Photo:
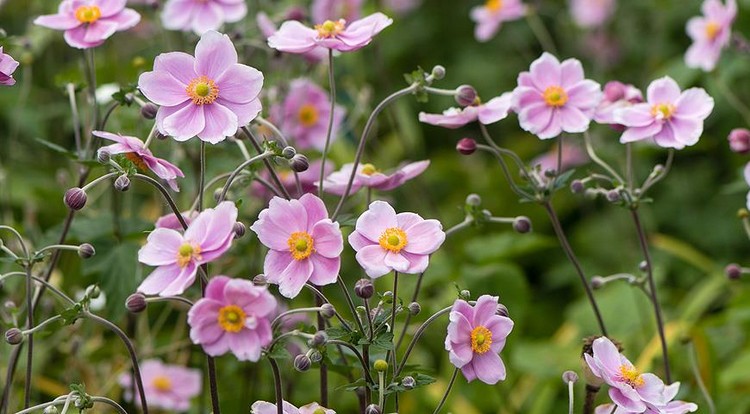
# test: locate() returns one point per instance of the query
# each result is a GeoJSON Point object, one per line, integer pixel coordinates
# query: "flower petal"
{"type": "Point", "coordinates": [214, 54]}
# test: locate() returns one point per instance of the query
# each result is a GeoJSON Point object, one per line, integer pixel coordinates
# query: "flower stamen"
{"type": "Point", "coordinates": [136, 160]}
{"type": "Point", "coordinates": [393, 239]}
{"type": "Point", "coordinates": [663, 111]}
{"type": "Point", "coordinates": [369, 169]}
{"type": "Point", "coordinates": [162, 383]}
{"type": "Point", "coordinates": [308, 115]}
{"type": "Point", "coordinates": [188, 252]}
{"type": "Point", "coordinates": [481, 340]}
{"type": "Point", "coordinates": [232, 318]}
{"type": "Point", "coordinates": [631, 376]}
{"type": "Point", "coordinates": [301, 245]}
{"type": "Point", "coordinates": [88, 14]}
{"type": "Point", "coordinates": [555, 96]}
{"type": "Point", "coordinates": [330, 28]}
{"type": "Point", "coordinates": [494, 6]}
{"type": "Point", "coordinates": [202, 90]}
{"type": "Point", "coordinates": [712, 30]}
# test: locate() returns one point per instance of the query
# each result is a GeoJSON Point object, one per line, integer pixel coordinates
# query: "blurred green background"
{"type": "Point", "coordinates": [692, 224]}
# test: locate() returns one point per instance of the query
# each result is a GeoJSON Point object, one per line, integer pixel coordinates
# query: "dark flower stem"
{"type": "Point", "coordinates": [30, 340]}
{"type": "Point", "coordinates": [269, 166]}
{"type": "Point", "coordinates": [590, 401]}
{"type": "Point", "coordinates": [447, 391]}
{"type": "Point", "coordinates": [417, 335]}
{"type": "Point", "coordinates": [277, 386]}
{"type": "Point", "coordinates": [332, 85]}
{"type": "Point", "coordinates": [323, 367]}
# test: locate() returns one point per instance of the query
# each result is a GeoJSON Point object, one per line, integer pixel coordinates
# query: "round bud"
{"type": "Point", "coordinates": [522, 224]}
{"type": "Point", "coordinates": [302, 363]}
{"type": "Point", "coordinates": [93, 292]}
{"type": "Point", "coordinates": [299, 163]}
{"type": "Point", "coordinates": [75, 198]}
{"type": "Point", "coordinates": [149, 110]}
{"type": "Point", "coordinates": [103, 156]}
{"type": "Point", "coordinates": [327, 310]}
{"type": "Point", "coordinates": [380, 365]}
{"type": "Point", "coordinates": [239, 230]}
{"type": "Point", "coordinates": [364, 288]}
{"type": "Point", "coordinates": [466, 95]}
{"type": "Point", "coordinates": [569, 376]}
{"type": "Point", "coordinates": [387, 297]}
{"type": "Point", "coordinates": [122, 183]}
{"type": "Point", "coordinates": [614, 91]}
{"type": "Point", "coordinates": [373, 409]}
{"type": "Point", "coordinates": [739, 140]}
{"type": "Point", "coordinates": [464, 294]}
{"type": "Point", "coordinates": [466, 146]}
{"type": "Point", "coordinates": [613, 196]}
{"type": "Point", "coordinates": [260, 280]}
{"type": "Point", "coordinates": [473, 200]}
{"type": "Point", "coordinates": [14, 336]}
{"type": "Point", "coordinates": [643, 266]}
{"type": "Point", "coordinates": [315, 356]}
{"type": "Point", "coordinates": [288, 152]}
{"type": "Point", "coordinates": [438, 72]}
{"type": "Point", "coordinates": [577, 187]}
{"type": "Point", "coordinates": [50, 409]}
{"type": "Point", "coordinates": [597, 282]}
{"type": "Point", "coordinates": [319, 339]}
{"type": "Point", "coordinates": [136, 303]}
{"type": "Point", "coordinates": [502, 310]}
{"type": "Point", "coordinates": [733, 271]}
{"type": "Point", "coordinates": [86, 251]}
{"type": "Point", "coordinates": [414, 308]}
{"type": "Point", "coordinates": [408, 382]}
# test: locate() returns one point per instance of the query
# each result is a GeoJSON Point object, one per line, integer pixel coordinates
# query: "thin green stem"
{"type": "Point", "coordinates": [239, 169]}
{"type": "Point", "coordinates": [699, 379]}
{"type": "Point", "coordinates": [599, 161]}
{"type": "Point", "coordinates": [447, 391]}
{"type": "Point", "coordinates": [417, 335]}
{"type": "Point", "coordinates": [332, 85]}
{"type": "Point", "coordinates": [540, 31]}
{"type": "Point", "coordinates": [269, 167]}
{"type": "Point", "coordinates": [30, 339]}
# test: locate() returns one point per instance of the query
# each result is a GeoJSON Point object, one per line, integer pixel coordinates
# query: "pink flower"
{"type": "Point", "coordinates": [369, 176]}
{"type": "Point", "coordinates": [305, 245]}
{"type": "Point", "coordinates": [494, 12]}
{"type": "Point", "coordinates": [476, 335]}
{"type": "Point", "coordinates": [710, 33]}
{"type": "Point", "coordinates": [739, 140]}
{"type": "Point", "coordinates": [170, 221]}
{"type": "Point", "coordinates": [553, 98]}
{"type": "Point", "coordinates": [616, 95]}
{"type": "Point", "coordinates": [591, 13]}
{"type": "Point", "coordinates": [294, 37]}
{"type": "Point", "coordinates": [268, 28]}
{"type": "Point", "coordinates": [177, 256]}
{"type": "Point", "coordinates": [303, 116]}
{"type": "Point", "coordinates": [135, 151]}
{"type": "Point", "coordinates": [386, 241]}
{"type": "Point", "coordinates": [8, 65]}
{"type": "Point", "coordinates": [494, 110]}
{"type": "Point", "coordinates": [674, 119]}
{"type": "Point", "coordinates": [674, 407]}
{"type": "Point", "coordinates": [348, 10]}
{"type": "Point", "coordinates": [308, 180]}
{"type": "Point", "coordinates": [262, 407]}
{"type": "Point", "coordinates": [234, 315]}
{"type": "Point", "coordinates": [170, 387]}
{"type": "Point", "coordinates": [88, 23]}
{"type": "Point", "coordinates": [210, 95]}
{"type": "Point", "coordinates": [201, 16]}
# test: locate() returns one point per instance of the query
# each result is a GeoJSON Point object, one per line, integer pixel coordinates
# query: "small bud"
{"type": "Point", "coordinates": [93, 291]}
{"type": "Point", "coordinates": [14, 336]}
{"type": "Point", "coordinates": [473, 200]}
{"type": "Point", "coordinates": [739, 140]}
{"type": "Point", "coordinates": [466, 146]}
{"type": "Point", "coordinates": [438, 72]}
{"type": "Point", "coordinates": [288, 152]}
{"type": "Point", "coordinates": [613, 196]}
{"type": "Point", "coordinates": [50, 409]}
{"type": "Point", "coordinates": [103, 156]}
{"type": "Point", "coordinates": [122, 183]}
{"type": "Point", "coordinates": [658, 169]}
{"type": "Point", "coordinates": [149, 110]}
{"type": "Point", "coordinates": [614, 91]}
{"type": "Point", "coordinates": [260, 280]}
{"type": "Point", "coordinates": [408, 382]}
{"type": "Point", "coordinates": [597, 282]}
{"type": "Point", "coordinates": [522, 224]}
{"type": "Point", "coordinates": [302, 363]}
{"type": "Point", "coordinates": [414, 308]}
{"type": "Point", "coordinates": [136, 303]}
{"type": "Point", "coordinates": [295, 13]}
{"type": "Point", "coordinates": [315, 356]}
{"type": "Point", "coordinates": [569, 376]}
{"type": "Point", "coordinates": [299, 163]}
{"type": "Point", "coordinates": [319, 339]}
{"type": "Point", "coordinates": [464, 294]}
{"type": "Point", "coordinates": [577, 187]}
{"type": "Point", "coordinates": [387, 297]}
{"type": "Point", "coordinates": [466, 95]}
{"type": "Point", "coordinates": [364, 288]}
{"type": "Point", "coordinates": [239, 230]}
{"type": "Point", "coordinates": [75, 198]}
{"type": "Point", "coordinates": [327, 310]}
{"type": "Point", "coordinates": [643, 266]}
{"type": "Point", "coordinates": [380, 365]}
{"type": "Point", "coordinates": [733, 271]}
{"type": "Point", "coordinates": [373, 409]}
{"type": "Point", "coordinates": [502, 310]}
{"type": "Point", "coordinates": [86, 251]}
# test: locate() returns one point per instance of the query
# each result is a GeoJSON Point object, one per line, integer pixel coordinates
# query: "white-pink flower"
{"type": "Point", "coordinates": [201, 16]}
{"type": "Point", "coordinates": [617, 95]}
{"type": "Point", "coordinates": [263, 407]}
{"type": "Point", "coordinates": [170, 387]}
{"type": "Point", "coordinates": [349, 10]}
{"type": "Point", "coordinates": [710, 33]}
{"type": "Point", "coordinates": [492, 14]}
{"type": "Point", "coordinates": [492, 111]}
{"type": "Point", "coordinates": [591, 13]}
{"type": "Point", "coordinates": [8, 65]}
{"type": "Point", "coordinates": [369, 176]}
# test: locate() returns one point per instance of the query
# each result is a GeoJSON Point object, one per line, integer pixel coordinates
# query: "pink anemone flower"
{"type": "Point", "coordinates": [349, 10]}
{"type": "Point", "coordinates": [170, 387]}
{"type": "Point", "coordinates": [554, 97]}
{"type": "Point", "coordinates": [492, 111]}
{"type": "Point", "coordinates": [234, 315]}
{"type": "Point", "coordinates": [268, 28]}
{"type": "Point", "coordinates": [209, 95]}
{"type": "Point", "coordinates": [617, 95]}
{"type": "Point", "coordinates": [674, 119]}
{"type": "Point", "coordinates": [710, 33]}
{"type": "Point", "coordinates": [134, 150]}
{"type": "Point", "coordinates": [177, 256]}
{"type": "Point", "coordinates": [492, 14]}
{"type": "Point", "coordinates": [303, 116]}
{"type": "Point", "coordinates": [305, 245]}
{"type": "Point", "coordinates": [592, 13]}
{"type": "Point", "coordinates": [476, 335]}
{"type": "Point", "coordinates": [8, 65]}
{"type": "Point", "coordinates": [369, 176]}
{"type": "Point", "coordinates": [88, 23]}
{"type": "Point", "coordinates": [294, 37]}
{"type": "Point", "coordinates": [201, 16]}
{"type": "Point", "coordinates": [386, 241]}
{"type": "Point", "coordinates": [263, 407]}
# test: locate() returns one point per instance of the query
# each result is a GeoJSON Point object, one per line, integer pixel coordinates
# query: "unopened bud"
{"type": "Point", "coordinates": [299, 163]}
{"type": "Point", "coordinates": [466, 146]}
{"type": "Point", "coordinates": [415, 308]}
{"type": "Point", "coordinates": [327, 310]}
{"type": "Point", "coordinates": [408, 382]}
{"type": "Point", "coordinates": [364, 288]}
{"type": "Point", "coordinates": [86, 251]}
{"type": "Point", "coordinates": [502, 310]}
{"type": "Point", "coordinates": [466, 95]}
{"type": "Point", "coordinates": [75, 198]}
{"type": "Point", "coordinates": [122, 183]}
{"type": "Point", "coordinates": [464, 294]}
{"type": "Point", "coordinates": [613, 196]}
{"type": "Point", "coordinates": [239, 230]}
{"type": "Point", "coordinates": [136, 303]}
{"type": "Point", "coordinates": [597, 282]}
{"type": "Point", "coordinates": [658, 169]}
{"type": "Point", "coordinates": [260, 280]}
{"type": "Point", "coordinates": [149, 110]}
{"type": "Point", "coordinates": [387, 297]}
{"type": "Point", "coordinates": [103, 156]}
{"type": "Point", "coordinates": [373, 409]}
{"type": "Point", "coordinates": [380, 365]}
{"type": "Point", "coordinates": [473, 200]}
{"type": "Point", "coordinates": [569, 376]}
{"type": "Point", "coordinates": [577, 187]}
{"type": "Point", "coordinates": [643, 266]}
{"type": "Point", "coordinates": [302, 363]}
{"type": "Point", "coordinates": [733, 271]}
{"type": "Point", "coordinates": [50, 409]}
{"type": "Point", "coordinates": [93, 292]}
{"type": "Point", "coordinates": [522, 224]}
{"type": "Point", "coordinates": [438, 72]}
{"type": "Point", "coordinates": [320, 338]}
{"type": "Point", "coordinates": [14, 336]}
{"type": "Point", "coordinates": [319, 410]}
{"type": "Point", "coordinates": [739, 140]}
{"type": "Point", "coordinates": [288, 152]}
{"type": "Point", "coordinates": [315, 355]}
{"type": "Point", "coordinates": [614, 91]}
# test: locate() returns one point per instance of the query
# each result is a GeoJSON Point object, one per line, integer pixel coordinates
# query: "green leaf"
{"type": "Point", "coordinates": [71, 314]}
{"type": "Point", "coordinates": [56, 148]}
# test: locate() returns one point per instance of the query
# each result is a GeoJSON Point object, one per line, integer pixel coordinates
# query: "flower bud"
{"type": "Point", "coordinates": [315, 355]}
{"type": "Point", "coordinates": [464, 294]}
{"type": "Point", "coordinates": [122, 183]}
{"type": "Point", "coordinates": [733, 271]}
{"type": "Point", "coordinates": [522, 224]}
{"type": "Point", "coordinates": [75, 198]}
{"type": "Point", "coordinates": [288, 152]}
{"type": "Point", "coordinates": [577, 187]}
{"type": "Point", "coordinates": [473, 200]}
{"type": "Point", "coordinates": [380, 365]}
{"type": "Point", "coordinates": [260, 280]}
{"type": "Point", "coordinates": [466, 146]}
{"type": "Point", "coordinates": [160, 136]}
{"type": "Point", "coordinates": [103, 156]}
{"type": "Point", "coordinates": [136, 303]}
{"type": "Point", "coordinates": [597, 282]}
{"type": "Point", "coordinates": [327, 310]}
{"type": "Point", "coordinates": [319, 339]}
{"type": "Point", "coordinates": [408, 382]}
{"type": "Point", "coordinates": [86, 251]}
{"type": "Point", "coordinates": [50, 409]}
{"type": "Point", "coordinates": [373, 409]}
{"type": "Point", "coordinates": [414, 308]}
{"type": "Point", "coordinates": [613, 196]}
{"type": "Point", "coordinates": [569, 376]}
{"type": "Point", "coordinates": [643, 266]}
{"type": "Point", "coordinates": [387, 297]}
{"type": "Point", "coordinates": [739, 140]}
{"type": "Point", "coordinates": [466, 95]}
{"type": "Point", "coordinates": [93, 292]}
{"type": "Point", "coordinates": [614, 91]}
{"type": "Point", "coordinates": [239, 230]}
{"type": "Point", "coordinates": [364, 288]}
{"type": "Point", "coordinates": [502, 310]}
{"type": "Point", "coordinates": [438, 72]}
{"type": "Point", "coordinates": [299, 163]}
{"type": "Point", "coordinates": [302, 363]}
{"type": "Point", "coordinates": [14, 336]}
{"type": "Point", "coordinates": [149, 110]}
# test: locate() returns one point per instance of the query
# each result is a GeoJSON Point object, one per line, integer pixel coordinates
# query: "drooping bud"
{"type": "Point", "coordinates": [260, 280]}
{"type": "Point", "coordinates": [466, 146]}
{"type": "Point", "coordinates": [14, 336]}
{"type": "Point", "coordinates": [93, 291]}
{"type": "Point", "coordinates": [733, 271]}
{"type": "Point", "coordinates": [408, 382]}
{"type": "Point", "coordinates": [122, 183]}
{"type": "Point", "coordinates": [103, 156]}
{"type": "Point", "coordinates": [373, 409]}
{"type": "Point", "coordinates": [597, 282]}
{"type": "Point", "coordinates": [464, 294]}
{"type": "Point", "coordinates": [739, 140]}
{"type": "Point", "coordinates": [380, 365]}
{"type": "Point", "coordinates": [86, 251]}
{"type": "Point", "coordinates": [299, 163]}
{"type": "Point", "coordinates": [75, 198]}
{"type": "Point", "coordinates": [415, 308]}
{"type": "Point", "coordinates": [149, 110]}
{"type": "Point", "coordinates": [569, 376]}
{"type": "Point", "coordinates": [327, 310]}
{"type": "Point", "coordinates": [319, 339]}
{"type": "Point", "coordinates": [288, 152]}
{"type": "Point", "coordinates": [522, 224]}
{"type": "Point", "coordinates": [577, 187]}
{"type": "Point", "coordinates": [473, 200]}
{"type": "Point", "coordinates": [613, 196]}
{"type": "Point", "coordinates": [466, 95]}
{"type": "Point", "coordinates": [502, 310]}
{"type": "Point", "coordinates": [239, 230]}
{"type": "Point", "coordinates": [364, 288]}
{"type": "Point", "coordinates": [387, 297]}
{"type": "Point", "coordinates": [315, 355]}
{"type": "Point", "coordinates": [302, 363]}
{"type": "Point", "coordinates": [136, 303]}
{"type": "Point", "coordinates": [438, 72]}
{"type": "Point", "coordinates": [50, 409]}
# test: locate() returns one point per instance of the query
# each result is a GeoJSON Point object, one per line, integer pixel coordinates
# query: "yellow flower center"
{"type": "Point", "coordinates": [202, 90]}
{"type": "Point", "coordinates": [319, 411]}
{"type": "Point", "coordinates": [186, 253]}
{"type": "Point", "coordinates": [712, 30]}
{"type": "Point", "coordinates": [308, 115]}
{"type": "Point", "coordinates": [369, 169]}
{"type": "Point", "coordinates": [494, 5]}
{"type": "Point", "coordinates": [631, 375]}
{"type": "Point", "coordinates": [393, 239]}
{"type": "Point", "coordinates": [88, 14]}
{"type": "Point", "coordinates": [137, 161]}
{"type": "Point", "coordinates": [555, 96]}
{"type": "Point", "coordinates": [300, 245]}
{"type": "Point", "coordinates": [162, 383]}
{"type": "Point", "coordinates": [330, 28]}
{"type": "Point", "coordinates": [663, 111]}
{"type": "Point", "coordinates": [232, 318]}
{"type": "Point", "coordinates": [481, 339]}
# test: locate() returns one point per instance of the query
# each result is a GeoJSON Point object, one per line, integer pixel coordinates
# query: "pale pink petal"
{"type": "Point", "coordinates": [206, 17]}
{"type": "Point", "coordinates": [378, 217]}
{"type": "Point", "coordinates": [75, 37]}
{"type": "Point", "coordinates": [181, 282]}
{"type": "Point", "coordinates": [694, 103]}
{"type": "Point", "coordinates": [214, 54]}
{"type": "Point", "coordinates": [245, 112]}
{"type": "Point", "coordinates": [638, 115]}
{"type": "Point", "coordinates": [358, 241]}
{"type": "Point", "coordinates": [397, 262]}
{"type": "Point", "coordinates": [468, 372]}
{"type": "Point", "coordinates": [161, 247]}
{"type": "Point", "coordinates": [294, 277]}
{"type": "Point", "coordinates": [535, 118]}
{"type": "Point", "coordinates": [327, 239]}
{"type": "Point", "coordinates": [316, 210]}
{"type": "Point", "coordinates": [451, 118]}
{"type": "Point", "coordinates": [585, 95]}
{"type": "Point", "coordinates": [186, 122]}
{"type": "Point", "coordinates": [573, 120]}
{"type": "Point", "coordinates": [99, 31]}
{"type": "Point", "coordinates": [293, 37]}
{"type": "Point", "coordinates": [244, 345]}
{"type": "Point", "coordinates": [417, 262]}
{"type": "Point", "coordinates": [162, 88]}
{"type": "Point", "coordinates": [495, 109]}
{"type": "Point", "coordinates": [325, 270]}
{"type": "Point", "coordinates": [287, 214]}
{"type": "Point", "coordinates": [571, 73]}
{"type": "Point", "coordinates": [126, 19]}
{"type": "Point", "coordinates": [275, 263]}
{"type": "Point", "coordinates": [240, 83]}
{"type": "Point", "coordinates": [372, 259]}
{"type": "Point", "coordinates": [178, 64]}
{"type": "Point", "coordinates": [57, 21]}
{"type": "Point", "coordinates": [159, 279]}
{"type": "Point", "coordinates": [639, 133]}
{"type": "Point", "coordinates": [215, 289]}
{"type": "Point", "coordinates": [663, 91]}
{"type": "Point", "coordinates": [110, 7]}
{"type": "Point", "coordinates": [546, 71]}
{"type": "Point", "coordinates": [489, 367]}
{"type": "Point", "coordinates": [220, 122]}
{"type": "Point", "coordinates": [424, 237]}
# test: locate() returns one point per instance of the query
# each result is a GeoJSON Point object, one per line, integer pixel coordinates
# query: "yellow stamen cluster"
{"type": "Point", "coordinates": [494, 5]}
{"type": "Point", "coordinates": [663, 111]}
{"type": "Point", "coordinates": [330, 28]}
{"type": "Point", "coordinates": [369, 169]}
{"type": "Point", "coordinates": [712, 30]}
{"type": "Point", "coordinates": [393, 239]}
{"type": "Point", "coordinates": [307, 115]}
{"type": "Point", "coordinates": [481, 339]}
{"type": "Point", "coordinates": [137, 161]}
{"type": "Point", "coordinates": [300, 245]}
{"type": "Point", "coordinates": [232, 318]}
{"type": "Point", "coordinates": [188, 252]}
{"type": "Point", "coordinates": [631, 375]}
{"type": "Point", "coordinates": [202, 90]}
{"type": "Point", "coordinates": [162, 383]}
{"type": "Point", "coordinates": [88, 14]}
{"type": "Point", "coordinates": [555, 96]}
